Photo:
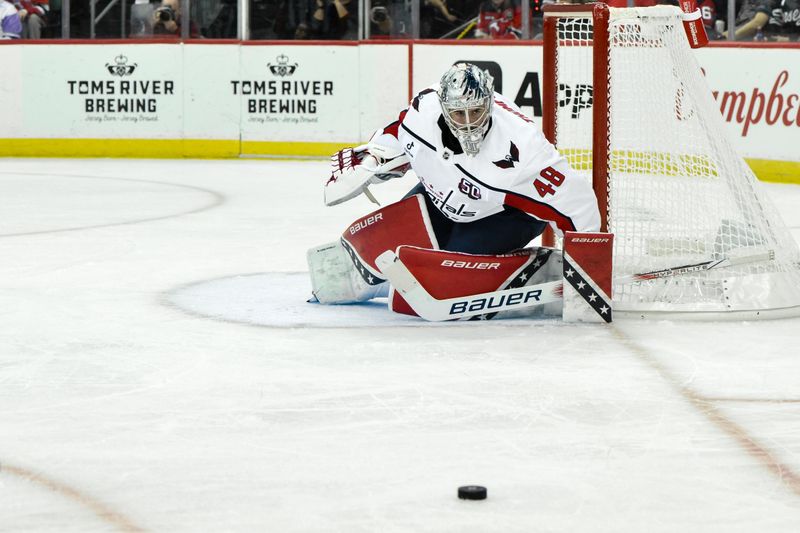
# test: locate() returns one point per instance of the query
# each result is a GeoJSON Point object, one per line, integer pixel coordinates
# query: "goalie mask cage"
{"type": "Point", "coordinates": [626, 103]}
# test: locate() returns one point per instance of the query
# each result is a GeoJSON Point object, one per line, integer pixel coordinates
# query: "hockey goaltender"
{"type": "Point", "coordinates": [489, 183]}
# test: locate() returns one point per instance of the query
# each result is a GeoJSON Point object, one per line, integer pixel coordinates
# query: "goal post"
{"type": "Point", "coordinates": [593, 99]}
{"type": "Point", "coordinates": [626, 103]}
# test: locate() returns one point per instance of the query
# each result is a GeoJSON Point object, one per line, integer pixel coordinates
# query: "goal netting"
{"type": "Point", "coordinates": [626, 102]}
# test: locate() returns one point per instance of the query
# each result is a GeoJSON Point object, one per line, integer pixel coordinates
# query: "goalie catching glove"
{"type": "Point", "coordinates": [354, 169]}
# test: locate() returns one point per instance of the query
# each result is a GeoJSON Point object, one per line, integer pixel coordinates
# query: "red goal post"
{"type": "Point", "coordinates": [550, 92]}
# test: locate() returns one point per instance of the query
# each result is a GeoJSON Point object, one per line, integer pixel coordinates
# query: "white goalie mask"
{"type": "Point", "coordinates": [466, 94]}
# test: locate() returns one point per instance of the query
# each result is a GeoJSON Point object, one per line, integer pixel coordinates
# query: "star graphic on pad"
{"type": "Point", "coordinates": [569, 273]}
{"type": "Point", "coordinates": [581, 285]}
{"type": "Point", "coordinates": [592, 297]}
{"type": "Point", "coordinates": [604, 310]}
{"type": "Point", "coordinates": [523, 277]}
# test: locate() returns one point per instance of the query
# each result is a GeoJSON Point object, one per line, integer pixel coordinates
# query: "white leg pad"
{"type": "Point", "coordinates": [334, 278]}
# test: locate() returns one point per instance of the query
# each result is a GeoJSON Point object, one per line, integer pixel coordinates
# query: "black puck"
{"type": "Point", "coordinates": [472, 492]}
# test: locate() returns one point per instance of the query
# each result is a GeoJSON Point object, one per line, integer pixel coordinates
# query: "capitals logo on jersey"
{"type": "Point", "coordinates": [509, 160]}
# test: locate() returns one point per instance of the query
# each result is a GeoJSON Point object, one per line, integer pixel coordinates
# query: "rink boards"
{"type": "Point", "coordinates": [230, 99]}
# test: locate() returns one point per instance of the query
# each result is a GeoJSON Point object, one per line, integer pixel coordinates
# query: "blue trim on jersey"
{"type": "Point", "coordinates": [417, 137]}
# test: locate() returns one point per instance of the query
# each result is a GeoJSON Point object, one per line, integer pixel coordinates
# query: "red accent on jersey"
{"type": "Point", "coordinates": [592, 252]}
{"type": "Point", "coordinates": [451, 274]}
{"type": "Point", "coordinates": [503, 105]}
{"type": "Point", "coordinates": [540, 211]}
{"type": "Point", "coordinates": [392, 128]}
{"type": "Point", "coordinates": [708, 10]}
{"type": "Point", "coordinates": [39, 7]}
{"type": "Point", "coordinates": [403, 222]}
{"type": "Point", "coordinates": [543, 188]}
{"type": "Point", "coordinates": [552, 175]}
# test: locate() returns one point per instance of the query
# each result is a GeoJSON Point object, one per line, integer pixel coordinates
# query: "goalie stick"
{"type": "Point", "coordinates": [436, 310]}
{"type": "Point", "coordinates": [769, 255]}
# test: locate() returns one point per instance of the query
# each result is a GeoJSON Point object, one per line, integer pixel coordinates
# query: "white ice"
{"type": "Point", "coordinates": [120, 409]}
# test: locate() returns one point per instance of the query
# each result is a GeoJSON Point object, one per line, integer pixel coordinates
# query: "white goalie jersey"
{"type": "Point", "coordinates": [516, 167]}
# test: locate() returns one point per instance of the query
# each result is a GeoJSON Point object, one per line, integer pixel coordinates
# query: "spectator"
{"type": "Point", "coordinates": [142, 19]}
{"type": "Point", "coordinates": [10, 23]}
{"type": "Point", "coordinates": [224, 24]}
{"type": "Point", "coordinates": [745, 10]}
{"type": "Point", "coordinates": [441, 7]}
{"type": "Point", "coordinates": [291, 19]}
{"type": "Point", "coordinates": [537, 18]}
{"type": "Point", "coordinates": [710, 11]}
{"type": "Point", "coordinates": [33, 14]}
{"type": "Point", "coordinates": [329, 19]}
{"type": "Point", "coordinates": [381, 24]}
{"type": "Point", "coordinates": [301, 32]}
{"type": "Point", "coordinates": [391, 19]}
{"type": "Point", "coordinates": [167, 20]}
{"type": "Point", "coordinates": [499, 19]}
{"type": "Point", "coordinates": [776, 20]}
{"type": "Point", "coordinates": [312, 19]}
{"type": "Point", "coordinates": [436, 19]}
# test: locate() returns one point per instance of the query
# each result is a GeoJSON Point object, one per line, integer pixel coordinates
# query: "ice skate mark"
{"type": "Point", "coordinates": [100, 509]}
{"type": "Point", "coordinates": [706, 406]}
{"type": "Point", "coordinates": [752, 400]}
{"type": "Point", "coordinates": [217, 200]}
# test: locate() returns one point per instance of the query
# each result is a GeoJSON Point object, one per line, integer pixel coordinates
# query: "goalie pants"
{"type": "Point", "coordinates": [500, 233]}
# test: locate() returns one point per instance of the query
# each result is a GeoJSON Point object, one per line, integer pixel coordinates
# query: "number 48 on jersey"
{"type": "Point", "coordinates": [552, 179]}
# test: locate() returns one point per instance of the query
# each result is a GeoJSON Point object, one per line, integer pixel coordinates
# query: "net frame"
{"type": "Point", "coordinates": [600, 79]}
{"type": "Point", "coordinates": [587, 26]}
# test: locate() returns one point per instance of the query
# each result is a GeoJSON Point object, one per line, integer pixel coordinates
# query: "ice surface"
{"type": "Point", "coordinates": [120, 409]}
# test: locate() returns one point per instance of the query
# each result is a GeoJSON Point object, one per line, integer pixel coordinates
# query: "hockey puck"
{"type": "Point", "coordinates": [472, 492]}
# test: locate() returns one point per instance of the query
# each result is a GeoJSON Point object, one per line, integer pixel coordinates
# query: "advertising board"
{"type": "Point", "coordinates": [206, 99]}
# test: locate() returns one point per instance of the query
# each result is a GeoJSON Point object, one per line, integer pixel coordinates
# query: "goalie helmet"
{"type": "Point", "coordinates": [466, 94]}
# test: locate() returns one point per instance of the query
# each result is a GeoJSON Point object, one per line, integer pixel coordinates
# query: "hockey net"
{"type": "Point", "coordinates": [627, 104]}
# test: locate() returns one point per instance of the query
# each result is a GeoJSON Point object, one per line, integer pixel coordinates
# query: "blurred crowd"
{"type": "Point", "coordinates": [761, 20]}
{"type": "Point", "coordinates": [23, 19]}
